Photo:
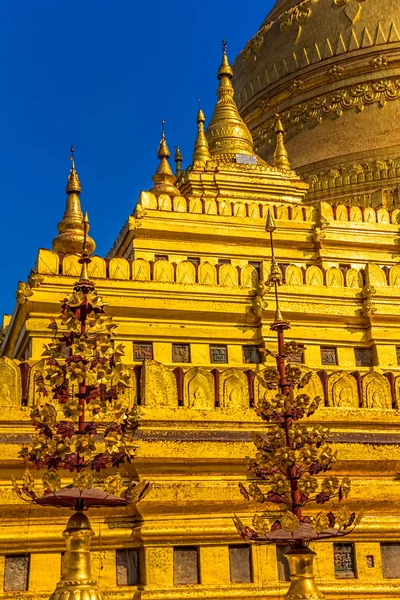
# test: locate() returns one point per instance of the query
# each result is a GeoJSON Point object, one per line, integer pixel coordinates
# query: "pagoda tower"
{"type": "Point", "coordinates": [186, 282]}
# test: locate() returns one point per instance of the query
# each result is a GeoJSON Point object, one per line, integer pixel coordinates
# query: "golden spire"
{"type": "Point", "coordinates": [281, 158]}
{"type": "Point", "coordinates": [178, 162]}
{"type": "Point", "coordinates": [201, 150]}
{"type": "Point", "coordinates": [164, 179]}
{"type": "Point", "coordinates": [227, 133]}
{"type": "Point", "coordinates": [71, 228]}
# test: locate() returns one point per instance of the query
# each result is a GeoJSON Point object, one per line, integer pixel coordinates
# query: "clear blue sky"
{"type": "Point", "coordinates": [100, 75]}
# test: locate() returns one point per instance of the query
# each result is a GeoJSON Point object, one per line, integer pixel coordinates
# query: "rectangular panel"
{"type": "Point", "coordinates": [390, 561]}
{"type": "Point", "coordinates": [143, 351]}
{"type": "Point", "coordinates": [186, 565]}
{"type": "Point", "coordinates": [344, 561]}
{"type": "Point", "coordinates": [218, 354]}
{"type": "Point", "coordinates": [240, 564]}
{"type": "Point", "coordinates": [127, 561]}
{"type": "Point", "coordinates": [16, 573]}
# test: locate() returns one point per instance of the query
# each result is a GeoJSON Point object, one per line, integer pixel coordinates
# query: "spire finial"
{"type": "Point", "coordinates": [85, 258]}
{"type": "Point", "coordinates": [164, 179]}
{"type": "Point", "coordinates": [281, 157]}
{"type": "Point", "coordinates": [163, 150]}
{"type": "Point", "coordinates": [227, 133]}
{"type": "Point", "coordinates": [178, 161]}
{"type": "Point", "coordinates": [275, 276]}
{"type": "Point", "coordinates": [201, 151]}
{"type": "Point", "coordinates": [71, 228]}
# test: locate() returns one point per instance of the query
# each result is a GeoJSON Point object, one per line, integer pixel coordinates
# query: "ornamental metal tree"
{"type": "Point", "coordinates": [290, 457]}
{"type": "Point", "coordinates": [81, 427]}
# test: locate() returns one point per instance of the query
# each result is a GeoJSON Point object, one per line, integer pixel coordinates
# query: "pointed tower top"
{"type": "Point", "coordinates": [178, 162]}
{"type": "Point", "coordinates": [201, 151]}
{"type": "Point", "coordinates": [164, 179]}
{"type": "Point", "coordinates": [225, 68]}
{"type": "Point", "coordinates": [281, 157]}
{"type": "Point", "coordinates": [227, 133]}
{"type": "Point", "coordinates": [71, 228]}
{"type": "Point", "coordinates": [163, 150]}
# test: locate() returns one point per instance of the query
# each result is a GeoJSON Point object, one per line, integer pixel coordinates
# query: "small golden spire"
{"type": "Point", "coordinates": [178, 162]}
{"type": "Point", "coordinates": [227, 133]}
{"type": "Point", "coordinates": [76, 580]}
{"type": "Point", "coordinates": [201, 150]}
{"type": "Point", "coordinates": [71, 229]}
{"type": "Point", "coordinates": [164, 179]}
{"type": "Point", "coordinates": [281, 157]}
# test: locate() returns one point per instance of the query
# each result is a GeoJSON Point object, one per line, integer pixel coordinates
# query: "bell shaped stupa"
{"type": "Point", "coordinates": [330, 68]}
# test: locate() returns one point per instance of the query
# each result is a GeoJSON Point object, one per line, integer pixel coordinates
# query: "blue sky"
{"type": "Point", "coordinates": [100, 75]}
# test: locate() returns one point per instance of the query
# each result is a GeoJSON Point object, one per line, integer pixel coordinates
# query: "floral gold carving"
{"type": "Point", "coordinates": [379, 62]}
{"type": "Point", "coordinates": [335, 73]}
{"type": "Point", "coordinates": [23, 293]}
{"type": "Point", "coordinates": [335, 103]}
{"type": "Point", "coordinates": [296, 14]}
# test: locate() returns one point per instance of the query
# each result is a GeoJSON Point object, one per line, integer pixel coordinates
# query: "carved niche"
{"type": "Point", "coordinates": [10, 384]}
{"type": "Point", "coordinates": [254, 211]}
{"type": "Point", "coordinates": [354, 279]}
{"type": "Point", "coordinates": [179, 204]}
{"type": "Point", "coordinates": [198, 389]}
{"type": "Point", "coordinates": [234, 389]}
{"type": "Point", "coordinates": [148, 200]}
{"type": "Point", "coordinates": [164, 202]}
{"type": "Point", "coordinates": [163, 271]}
{"type": "Point", "coordinates": [210, 207]}
{"type": "Point", "coordinates": [140, 270]}
{"type": "Point", "coordinates": [334, 277]}
{"type": "Point", "coordinates": [239, 209]}
{"type": "Point", "coordinates": [158, 385]}
{"type": "Point", "coordinates": [97, 267]}
{"type": "Point", "coordinates": [341, 213]}
{"type": "Point", "coordinates": [375, 275]}
{"type": "Point", "coordinates": [394, 276]}
{"type": "Point", "coordinates": [70, 265]}
{"type": "Point", "coordinates": [207, 274]}
{"type": "Point", "coordinates": [47, 262]}
{"type": "Point", "coordinates": [355, 214]}
{"type": "Point", "coordinates": [195, 205]}
{"type": "Point", "coordinates": [282, 213]}
{"type": "Point", "coordinates": [119, 268]}
{"type": "Point", "coordinates": [186, 273]}
{"type": "Point", "coordinates": [249, 277]}
{"type": "Point", "coordinates": [314, 276]}
{"type": "Point", "coordinates": [369, 215]}
{"type": "Point", "coordinates": [376, 391]}
{"type": "Point", "coordinates": [342, 391]}
{"type": "Point", "coordinates": [294, 275]}
{"type": "Point", "coordinates": [228, 276]}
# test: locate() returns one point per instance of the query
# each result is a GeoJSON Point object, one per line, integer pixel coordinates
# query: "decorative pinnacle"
{"type": "Point", "coordinates": [163, 151]}
{"type": "Point", "coordinates": [281, 157]}
{"type": "Point", "coordinates": [201, 150]}
{"type": "Point", "coordinates": [270, 225]}
{"type": "Point", "coordinates": [178, 161]}
{"type": "Point", "coordinates": [73, 184]}
{"type": "Point", "coordinates": [85, 222]}
{"type": "Point", "coordinates": [225, 69]}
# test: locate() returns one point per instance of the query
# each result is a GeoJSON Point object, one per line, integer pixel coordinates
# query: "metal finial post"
{"type": "Point", "coordinates": [85, 232]}
{"type": "Point", "coordinates": [162, 129]}
{"type": "Point", "coordinates": [224, 46]}
{"type": "Point", "coordinates": [72, 157]}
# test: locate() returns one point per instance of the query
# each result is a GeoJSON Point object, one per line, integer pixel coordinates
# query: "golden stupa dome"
{"type": "Point", "coordinates": [331, 69]}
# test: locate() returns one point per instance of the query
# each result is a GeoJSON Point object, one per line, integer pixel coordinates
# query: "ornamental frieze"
{"type": "Point", "coordinates": [333, 104]}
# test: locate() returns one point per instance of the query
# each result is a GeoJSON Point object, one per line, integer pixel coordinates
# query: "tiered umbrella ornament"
{"type": "Point", "coordinates": [293, 458]}
{"type": "Point", "coordinates": [83, 426]}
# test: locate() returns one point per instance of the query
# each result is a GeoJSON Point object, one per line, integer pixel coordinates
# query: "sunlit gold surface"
{"type": "Point", "coordinates": [193, 451]}
{"type": "Point", "coordinates": [331, 69]}
{"type": "Point", "coordinates": [71, 229]}
{"type": "Point", "coordinates": [302, 586]}
{"type": "Point", "coordinates": [76, 582]}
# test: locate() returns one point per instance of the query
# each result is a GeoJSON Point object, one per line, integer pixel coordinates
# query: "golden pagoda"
{"type": "Point", "coordinates": [186, 283]}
